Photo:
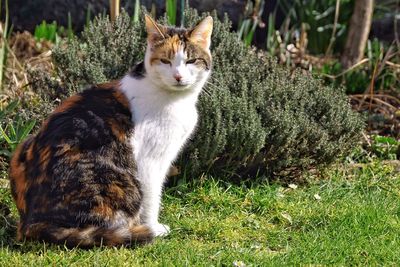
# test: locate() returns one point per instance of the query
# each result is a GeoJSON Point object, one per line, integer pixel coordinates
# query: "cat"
{"type": "Point", "coordinates": [94, 172]}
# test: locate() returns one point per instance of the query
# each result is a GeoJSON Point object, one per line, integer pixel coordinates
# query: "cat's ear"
{"type": "Point", "coordinates": [154, 30]}
{"type": "Point", "coordinates": [201, 34]}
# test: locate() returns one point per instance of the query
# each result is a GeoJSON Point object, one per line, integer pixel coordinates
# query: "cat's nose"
{"type": "Point", "coordinates": [177, 77]}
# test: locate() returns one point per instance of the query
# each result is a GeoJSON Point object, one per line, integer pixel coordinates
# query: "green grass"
{"type": "Point", "coordinates": [347, 217]}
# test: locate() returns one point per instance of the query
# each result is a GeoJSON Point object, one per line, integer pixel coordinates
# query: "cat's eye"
{"type": "Point", "coordinates": [165, 61]}
{"type": "Point", "coordinates": [191, 61]}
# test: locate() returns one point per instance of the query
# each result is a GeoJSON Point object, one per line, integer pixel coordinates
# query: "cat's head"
{"type": "Point", "coordinates": [178, 59]}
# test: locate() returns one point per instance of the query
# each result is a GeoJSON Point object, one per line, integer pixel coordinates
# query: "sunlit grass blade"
{"type": "Point", "coordinates": [4, 135]}
{"type": "Point", "coordinates": [70, 31]}
{"type": "Point", "coordinates": [271, 41]}
{"type": "Point", "coordinates": [171, 11]}
{"type": "Point", "coordinates": [88, 16]}
{"type": "Point", "coordinates": [181, 13]}
{"type": "Point", "coordinates": [26, 129]}
{"type": "Point", "coordinates": [47, 31]}
{"type": "Point", "coordinates": [135, 17]}
{"type": "Point", "coordinates": [250, 35]}
{"type": "Point", "coordinates": [9, 108]}
{"type": "Point", "coordinates": [12, 131]}
{"type": "Point", "coordinates": [242, 29]}
{"type": "Point", "coordinates": [5, 35]}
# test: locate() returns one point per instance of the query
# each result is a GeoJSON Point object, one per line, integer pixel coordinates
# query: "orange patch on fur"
{"type": "Point", "coordinates": [121, 98]}
{"type": "Point", "coordinates": [110, 85]}
{"type": "Point", "coordinates": [116, 191]}
{"type": "Point", "coordinates": [44, 125]}
{"type": "Point", "coordinates": [112, 239]}
{"type": "Point", "coordinates": [68, 103]}
{"type": "Point", "coordinates": [44, 155]}
{"type": "Point", "coordinates": [103, 211]}
{"type": "Point", "coordinates": [141, 234]}
{"type": "Point", "coordinates": [71, 152]}
{"type": "Point", "coordinates": [167, 50]}
{"type": "Point", "coordinates": [116, 130]}
{"type": "Point", "coordinates": [18, 176]}
{"type": "Point", "coordinates": [29, 152]}
{"type": "Point", "coordinates": [174, 44]}
{"type": "Point", "coordinates": [75, 156]}
{"type": "Point", "coordinates": [118, 94]}
{"type": "Point", "coordinates": [40, 179]}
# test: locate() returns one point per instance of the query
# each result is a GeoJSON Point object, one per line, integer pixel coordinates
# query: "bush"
{"type": "Point", "coordinates": [255, 116]}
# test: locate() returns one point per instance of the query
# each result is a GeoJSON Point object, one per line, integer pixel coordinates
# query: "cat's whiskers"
{"type": "Point", "coordinates": [206, 92]}
{"type": "Point", "coordinates": [215, 79]}
{"type": "Point", "coordinates": [212, 86]}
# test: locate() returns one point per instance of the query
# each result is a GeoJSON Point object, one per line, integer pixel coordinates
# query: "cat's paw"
{"type": "Point", "coordinates": [160, 229]}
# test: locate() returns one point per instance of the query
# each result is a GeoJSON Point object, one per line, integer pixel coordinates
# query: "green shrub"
{"type": "Point", "coordinates": [17, 120]}
{"type": "Point", "coordinates": [105, 51]}
{"type": "Point", "coordinates": [255, 116]}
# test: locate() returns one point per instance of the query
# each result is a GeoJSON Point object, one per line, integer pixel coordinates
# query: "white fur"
{"type": "Point", "coordinates": [164, 115]}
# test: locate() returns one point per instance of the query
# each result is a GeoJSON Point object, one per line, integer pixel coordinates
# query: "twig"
{"type": "Point", "coordinates": [391, 64]}
{"type": "Point", "coordinates": [347, 70]}
{"type": "Point", "coordinates": [385, 103]}
{"type": "Point", "coordinates": [7, 223]}
{"type": "Point", "coordinates": [377, 96]}
{"type": "Point", "coordinates": [396, 35]}
{"type": "Point", "coordinates": [376, 99]}
{"type": "Point", "coordinates": [332, 40]}
{"type": "Point", "coordinates": [372, 83]}
{"type": "Point", "coordinates": [15, 57]}
{"type": "Point", "coordinates": [366, 138]}
{"type": "Point", "coordinates": [385, 59]}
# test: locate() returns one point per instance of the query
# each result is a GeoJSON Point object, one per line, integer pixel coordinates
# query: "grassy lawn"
{"type": "Point", "coordinates": [345, 218]}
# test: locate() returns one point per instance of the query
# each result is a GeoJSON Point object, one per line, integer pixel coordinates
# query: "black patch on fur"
{"type": "Point", "coordinates": [138, 71]}
{"type": "Point", "coordinates": [181, 32]}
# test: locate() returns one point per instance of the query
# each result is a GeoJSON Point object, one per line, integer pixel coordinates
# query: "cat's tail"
{"type": "Point", "coordinates": [89, 236]}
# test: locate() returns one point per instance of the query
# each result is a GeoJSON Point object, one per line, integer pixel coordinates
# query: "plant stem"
{"type": "Point", "coordinates": [114, 9]}
{"type": "Point", "coordinates": [332, 40]}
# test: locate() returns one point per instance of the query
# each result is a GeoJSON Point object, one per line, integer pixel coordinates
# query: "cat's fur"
{"type": "Point", "coordinates": [93, 174]}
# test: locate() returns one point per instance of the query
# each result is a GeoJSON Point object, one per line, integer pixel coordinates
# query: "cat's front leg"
{"type": "Point", "coordinates": [151, 186]}
{"type": "Point", "coordinates": [151, 208]}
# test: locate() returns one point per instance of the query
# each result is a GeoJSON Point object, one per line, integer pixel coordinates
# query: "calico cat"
{"type": "Point", "coordinates": [94, 172]}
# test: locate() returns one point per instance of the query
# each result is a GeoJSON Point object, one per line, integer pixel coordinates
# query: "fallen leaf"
{"type": "Point", "coordinates": [4, 183]}
{"type": "Point", "coordinates": [255, 246]}
{"type": "Point", "coordinates": [239, 264]}
{"type": "Point", "coordinates": [317, 197]}
{"type": "Point", "coordinates": [287, 217]}
{"type": "Point", "coordinates": [293, 186]}
{"type": "Point", "coordinates": [280, 195]}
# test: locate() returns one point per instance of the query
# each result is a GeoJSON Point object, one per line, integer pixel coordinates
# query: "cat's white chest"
{"type": "Point", "coordinates": [163, 122]}
{"type": "Point", "coordinates": [161, 131]}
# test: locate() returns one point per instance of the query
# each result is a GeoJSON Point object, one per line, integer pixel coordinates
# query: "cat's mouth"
{"type": "Point", "coordinates": [179, 87]}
